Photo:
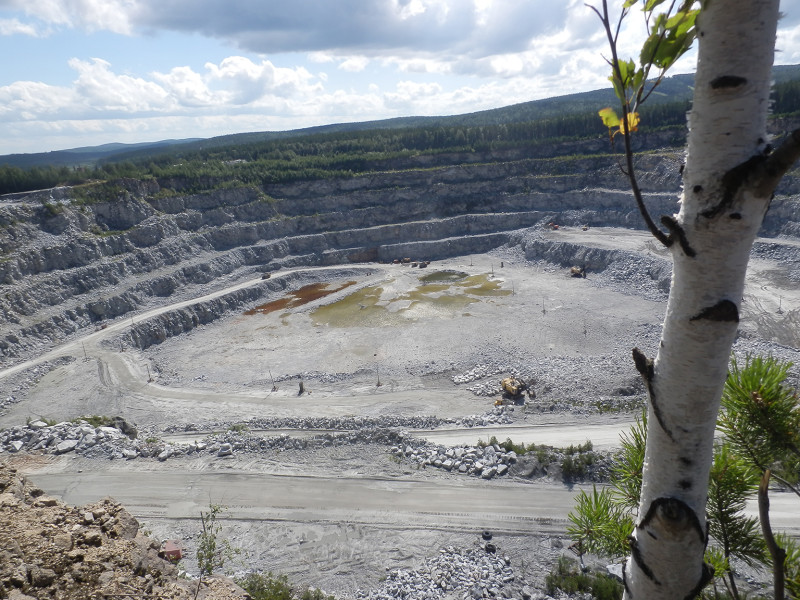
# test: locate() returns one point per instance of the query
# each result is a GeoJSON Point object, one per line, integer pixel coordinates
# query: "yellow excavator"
{"type": "Point", "coordinates": [513, 389]}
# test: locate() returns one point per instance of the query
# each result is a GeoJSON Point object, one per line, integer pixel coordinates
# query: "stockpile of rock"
{"type": "Point", "coordinates": [225, 444]}
{"type": "Point", "coordinates": [51, 550]}
{"type": "Point", "coordinates": [485, 462]}
{"type": "Point", "coordinates": [477, 573]}
{"type": "Point", "coordinates": [64, 437]}
{"type": "Point", "coordinates": [118, 441]}
{"type": "Point", "coordinates": [499, 415]}
{"type": "Point", "coordinates": [329, 423]}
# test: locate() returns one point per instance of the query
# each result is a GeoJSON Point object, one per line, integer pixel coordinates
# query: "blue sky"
{"type": "Point", "coordinates": [88, 72]}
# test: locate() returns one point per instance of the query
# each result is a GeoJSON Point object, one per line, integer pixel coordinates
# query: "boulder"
{"type": "Point", "coordinates": [66, 446]}
{"type": "Point", "coordinates": [225, 450]}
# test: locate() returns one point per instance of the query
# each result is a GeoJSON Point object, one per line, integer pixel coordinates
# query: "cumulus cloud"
{"type": "Point", "coordinates": [236, 84]}
{"type": "Point", "coordinates": [105, 91]}
{"type": "Point", "coordinates": [30, 100]}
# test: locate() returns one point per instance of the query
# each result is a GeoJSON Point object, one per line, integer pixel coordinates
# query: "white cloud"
{"type": "Point", "coordinates": [186, 86]}
{"type": "Point", "coordinates": [15, 27]}
{"type": "Point", "coordinates": [29, 100]}
{"type": "Point", "coordinates": [236, 84]}
{"type": "Point", "coordinates": [413, 57]}
{"type": "Point", "coordinates": [321, 57]}
{"type": "Point", "coordinates": [354, 64]}
{"type": "Point", "coordinates": [788, 44]}
{"type": "Point", "coordinates": [91, 15]}
{"type": "Point", "coordinates": [101, 89]}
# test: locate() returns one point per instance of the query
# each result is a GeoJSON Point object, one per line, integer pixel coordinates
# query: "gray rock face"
{"type": "Point", "coordinates": [72, 268]}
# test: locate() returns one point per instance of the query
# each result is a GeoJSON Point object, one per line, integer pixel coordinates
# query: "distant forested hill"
{"type": "Point", "coordinates": [548, 127]}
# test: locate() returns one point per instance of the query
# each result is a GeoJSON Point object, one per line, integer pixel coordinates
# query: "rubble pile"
{"type": "Point", "coordinates": [468, 460]}
{"type": "Point", "coordinates": [51, 550]}
{"type": "Point", "coordinates": [331, 423]}
{"type": "Point", "coordinates": [79, 436]}
{"type": "Point", "coordinates": [476, 573]}
{"type": "Point", "coordinates": [499, 415]}
{"type": "Point", "coordinates": [112, 443]}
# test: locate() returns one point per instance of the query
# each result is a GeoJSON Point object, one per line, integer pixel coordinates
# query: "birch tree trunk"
{"type": "Point", "coordinates": [728, 182]}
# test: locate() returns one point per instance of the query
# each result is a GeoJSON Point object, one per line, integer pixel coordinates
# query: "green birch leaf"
{"type": "Point", "coordinates": [638, 78]}
{"type": "Point", "coordinates": [651, 4]}
{"type": "Point", "coordinates": [649, 49]}
{"type": "Point", "coordinates": [609, 117]}
{"type": "Point", "coordinates": [629, 3]}
{"type": "Point", "coordinates": [681, 19]}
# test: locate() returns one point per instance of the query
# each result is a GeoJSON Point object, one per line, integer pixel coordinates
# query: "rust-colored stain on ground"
{"type": "Point", "coordinates": [299, 297]}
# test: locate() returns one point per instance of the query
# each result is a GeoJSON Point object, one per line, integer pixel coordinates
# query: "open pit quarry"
{"type": "Point", "coordinates": [323, 357]}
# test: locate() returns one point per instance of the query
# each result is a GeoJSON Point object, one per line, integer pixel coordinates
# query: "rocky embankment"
{"type": "Point", "coordinates": [118, 440]}
{"type": "Point", "coordinates": [51, 550]}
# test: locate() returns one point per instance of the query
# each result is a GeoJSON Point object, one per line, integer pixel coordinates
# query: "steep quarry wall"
{"type": "Point", "coordinates": [67, 264]}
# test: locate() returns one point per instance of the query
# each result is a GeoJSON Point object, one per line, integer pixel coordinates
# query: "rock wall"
{"type": "Point", "coordinates": [67, 264]}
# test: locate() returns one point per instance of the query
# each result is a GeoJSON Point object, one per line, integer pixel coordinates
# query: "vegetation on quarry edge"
{"type": "Point", "coordinates": [351, 152]}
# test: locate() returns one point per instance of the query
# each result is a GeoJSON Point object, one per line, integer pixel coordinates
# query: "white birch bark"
{"type": "Point", "coordinates": [723, 203]}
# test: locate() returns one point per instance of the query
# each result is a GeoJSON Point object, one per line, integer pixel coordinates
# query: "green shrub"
{"type": "Point", "coordinates": [315, 594]}
{"type": "Point", "coordinates": [95, 420]}
{"type": "Point", "coordinates": [266, 586]}
{"type": "Point", "coordinates": [567, 577]}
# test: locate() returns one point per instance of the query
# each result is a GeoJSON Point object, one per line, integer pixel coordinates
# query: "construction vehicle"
{"type": "Point", "coordinates": [513, 390]}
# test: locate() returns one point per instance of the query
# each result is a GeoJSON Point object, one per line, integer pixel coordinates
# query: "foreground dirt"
{"type": "Point", "coordinates": [52, 550]}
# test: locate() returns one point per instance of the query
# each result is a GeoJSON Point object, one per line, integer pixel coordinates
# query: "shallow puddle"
{"type": "Point", "coordinates": [299, 297]}
{"type": "Point", "coordinates": [443, 276]}
{"type": "Point", "coordinates": [443, 294]}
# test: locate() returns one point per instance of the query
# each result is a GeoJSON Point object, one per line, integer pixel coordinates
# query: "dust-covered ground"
{"type": "Point", "coordinates": [378, 342]}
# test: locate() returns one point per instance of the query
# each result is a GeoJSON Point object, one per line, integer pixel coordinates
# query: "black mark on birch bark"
{"type": "Point", "coordinates": [625, 579]}
{"type": "Point", "coordinates": [723, 311]}
{"type": "Point", "coordinates": [727, 81]}
{"type": "Point", "coordinates": [636, 554]}
{"type": "Point", "coordinates": [706, 576]}
{"type": "Point", "coordinates": [645, 367]}
{"type": "Point", "coordinates": [676, 232]}
{"type": "Point", "coordinates": [685, 484]}
{"type": "Point", "coordinates": [676, 514]}
{"type": "Point", "coordinates": [732, 181]}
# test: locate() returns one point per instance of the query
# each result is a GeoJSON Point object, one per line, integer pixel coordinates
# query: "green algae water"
{"type": "Point", "coordinates": [444, 294]}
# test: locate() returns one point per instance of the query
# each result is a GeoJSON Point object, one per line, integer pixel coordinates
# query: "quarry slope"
{"type": "Point", "coordinates": [67, 264]}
